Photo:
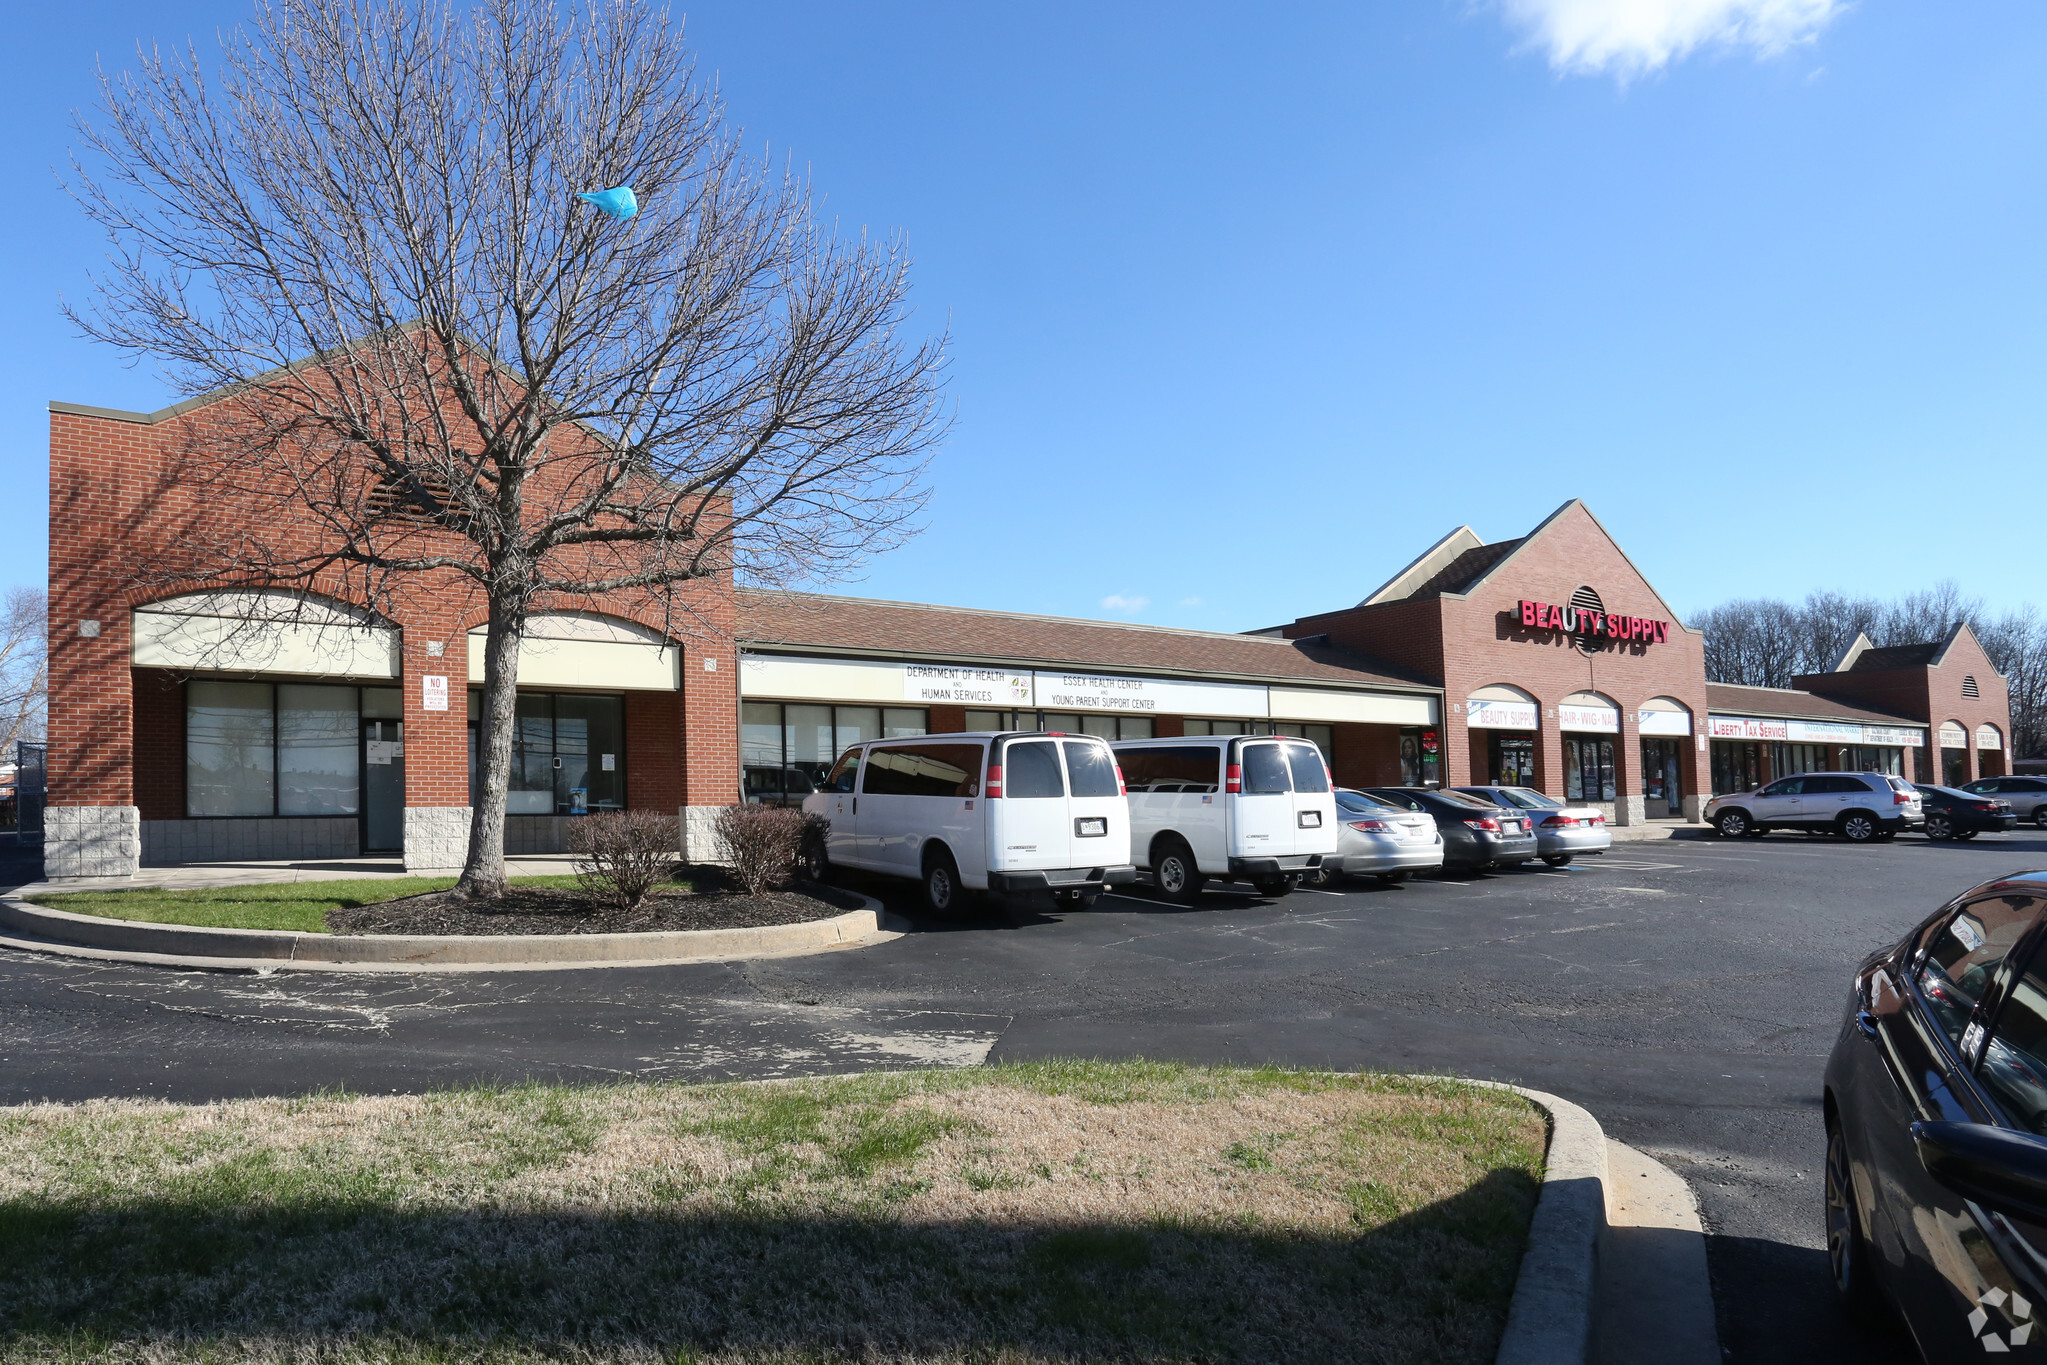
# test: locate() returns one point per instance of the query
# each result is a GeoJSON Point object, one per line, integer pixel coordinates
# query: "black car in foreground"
{"type": "Point", "coordinates": [1935, 1104]}
{"type": "Point", "coordinates": [1476, 834]}
{"type": "Point", "coordinates": [1952, 814]}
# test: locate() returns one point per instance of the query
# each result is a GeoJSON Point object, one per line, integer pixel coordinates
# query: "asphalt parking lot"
{"type": "Point", "coordinates": [1687, 992]}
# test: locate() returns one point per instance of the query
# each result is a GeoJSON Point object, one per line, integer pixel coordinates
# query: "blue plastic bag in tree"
{"type": "Point", "coordinates": [619, 203]}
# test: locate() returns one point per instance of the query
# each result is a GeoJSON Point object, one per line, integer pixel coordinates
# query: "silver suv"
{"type": "Point", "coordinates": [2027, 796]}
{"type": "Point", "coordinates": [1857, 806]}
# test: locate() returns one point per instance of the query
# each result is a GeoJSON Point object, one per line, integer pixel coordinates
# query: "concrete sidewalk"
{"type": "Point", "coordinates": [192, 876]}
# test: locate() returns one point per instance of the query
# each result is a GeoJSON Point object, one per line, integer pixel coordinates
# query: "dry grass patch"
{"type": "Point", "coordinates": [1063, 1211]}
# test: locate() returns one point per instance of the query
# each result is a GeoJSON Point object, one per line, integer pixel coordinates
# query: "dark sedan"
{"type": "Point", "coordinates": [1935, 1105]}
{"type": "Point", "coordinates": [1952, 814]}
{"type": "Point", "coordinates": [1476, 834]}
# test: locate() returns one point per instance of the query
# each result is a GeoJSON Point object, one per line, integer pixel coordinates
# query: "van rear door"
{"type": "Point", "coordinates": [1314, 803]}
{"type": "Point", "coordinates": [1098, 815]}
{"type": "Point", "coordinates": [1029, 827]}
{"type": "Point", "coordinates": [1263, 818]}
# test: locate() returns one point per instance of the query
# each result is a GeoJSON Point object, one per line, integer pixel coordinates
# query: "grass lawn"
{"type": "Point", "coordinates": [298, 906]}
{"type": "Point", "coordinates": [1047, 1212]}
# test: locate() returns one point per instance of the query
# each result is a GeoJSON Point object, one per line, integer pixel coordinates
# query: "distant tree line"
{"type": "Point", "coordinates": [1762, 642]}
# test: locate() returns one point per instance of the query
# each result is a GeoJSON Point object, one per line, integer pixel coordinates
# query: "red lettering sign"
{"type": "Point", "coordinates": [1549, 616]}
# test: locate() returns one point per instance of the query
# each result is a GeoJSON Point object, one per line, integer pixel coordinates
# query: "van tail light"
{"type": "Point", "coordinates": [993, 787]}
{"type": "Point", "coordinates": [1233, 780]}
{"type": "Point", "coordinates": [1488, 824]}
{"type": "Point", "coordinates": [1560, 822]}
{"type": "Point", "coordinates": [1121, 790]}
{"type": "Point", "coordinates": [1369, 826]}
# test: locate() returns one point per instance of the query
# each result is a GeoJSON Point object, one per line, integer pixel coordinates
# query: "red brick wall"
{"type": "Point", "coordinates": [653, 751]}
{"type": "Point", "coordinates": [128, 527]}
{"type": "Point", "coordinates": [1168, 727]}
{"type": "Point", "coordinates": [1471, 642]}
{"type": "Point", "coordinates": [1366, 756]}
{"type": "Point", "coordinates": [159, 744]}
{"type": "Point", "coordinates": [947, 720]}
{"type": "Point", "coordinates": [1933, 694]}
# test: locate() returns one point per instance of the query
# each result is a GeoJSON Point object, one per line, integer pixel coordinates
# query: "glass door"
{"type": "Point", "coordinates": [383, 785]}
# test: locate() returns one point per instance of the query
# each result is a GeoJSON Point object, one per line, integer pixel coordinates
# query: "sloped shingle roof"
{"type": "Point", "coordinates": [1733, 700]}
{"type": "Point", "coordinates": [810, 621]}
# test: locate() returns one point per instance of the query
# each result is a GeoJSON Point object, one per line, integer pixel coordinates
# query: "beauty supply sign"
{"type": "Point", "coordinates": [1600, 625]}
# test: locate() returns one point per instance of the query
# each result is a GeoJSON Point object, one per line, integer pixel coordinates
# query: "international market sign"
{"type": "Point", "coordinates": [1605, 625]}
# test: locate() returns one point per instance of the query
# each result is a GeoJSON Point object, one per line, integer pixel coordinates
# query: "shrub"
{"type": "Point", "coordinates": [622, 855]}
{"type": "Point", "coordinates": [762, 842]}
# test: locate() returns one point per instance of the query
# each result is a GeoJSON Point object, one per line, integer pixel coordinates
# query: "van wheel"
{"type": "Point", "coordinates": [1858, 827]}
{"type": "Point", "coordinates": [1557, 859]}
{"type": "Point", "coordinates": [1175, 874]}
{"type": "Point", "coordinates": [814, 863]}
{"type": "Point", "coordinates": [943, 894]}
{"type": "Point", "coordinates": [1274, 887]}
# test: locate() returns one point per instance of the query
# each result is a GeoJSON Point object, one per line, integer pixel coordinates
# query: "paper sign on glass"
{"type": "Point", "coordinates": [611, 763]}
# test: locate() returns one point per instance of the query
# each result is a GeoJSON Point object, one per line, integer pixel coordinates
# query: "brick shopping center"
{"type": "Point", "coordinates": [192, 723]}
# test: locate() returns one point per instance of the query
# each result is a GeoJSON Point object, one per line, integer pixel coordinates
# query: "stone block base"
{"type": "Point", "coordinates": [700, 840]}
{"type": "Point", "coordinates": [1695, 808]}
{"type": "Point", "coordinates": [1631, 810]}
{"type": "Point", "coordinates": [436, 839]}
{"type": "Point", "coordinates": [91, 841]}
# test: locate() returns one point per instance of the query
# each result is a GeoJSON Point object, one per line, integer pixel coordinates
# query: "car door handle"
{"type": "Point", "coordinates": [1866, 1021]}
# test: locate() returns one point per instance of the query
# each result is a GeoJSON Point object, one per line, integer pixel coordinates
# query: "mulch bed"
{"type": "Point", "coordinates": [560, 910]}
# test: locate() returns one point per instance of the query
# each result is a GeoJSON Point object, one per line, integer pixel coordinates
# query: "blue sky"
{"type": "Point", "coordinates": [1251, 304]}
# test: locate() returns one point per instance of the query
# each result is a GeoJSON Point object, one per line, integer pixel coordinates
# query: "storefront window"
{"type": "Point", "coordinates": [1107, 727]}
{"type": "Point", "coordinates": [1322, 737]}
{"type": "Point", "coordinates": [1513, 758]}
{"type": "Point", "coordinates": [786, 748]}
{"type": "Point", "coordinates": [1588, 769]}
{"type": "Point", "coordinates": [230, 748]}
{"type": "Point", "coordinates": [265, 749]}
{"type": "Point", "coordinates": [1737, 766]}
{"type": "Point", "coordinates": [1954, 767]}
{"type": "Point", "coordinates": [1662, 777]}
{"type": "Point", "coordinates": [568, 753]}
{"type": "Point", "coordinates": [1421, 757]}
{"type": "Point", "coordinates": [1786, 759]}
{"type": "Point", "coordinates": [318, 767]}
{"type": "Point", "coordinates": [1873, 758]}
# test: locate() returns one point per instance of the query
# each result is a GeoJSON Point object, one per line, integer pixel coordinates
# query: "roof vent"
{"type": "Point", "coordinates": [1969, 688]}
{"type": "Point", "coordinates": [1586, 602]}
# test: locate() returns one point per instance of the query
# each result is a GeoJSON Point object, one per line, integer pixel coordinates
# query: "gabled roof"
{"type": "Point", "coordinates": [816, 623]}
{"type": "Point", "coordinates": [1425, 566]}
{"type": "Point", "coordinates": [1460, 563]}
{"type": "Point", "coordinates": [1893, 656]}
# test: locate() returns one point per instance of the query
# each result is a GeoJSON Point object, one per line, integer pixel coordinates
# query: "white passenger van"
{"type": "Point", "coordinates": [1255, 808]}
{"type": "Point", "coordinates": [1006, 812]}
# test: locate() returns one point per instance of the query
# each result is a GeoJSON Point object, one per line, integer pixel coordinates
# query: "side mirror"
{"type": "Point", "coordinates": [1997, 1167]}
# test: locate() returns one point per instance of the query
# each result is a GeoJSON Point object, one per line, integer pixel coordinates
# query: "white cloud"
{"type": "Point", "coordinates": [1129, 605]}
{"type": "Point", "coordinates": [1633, 37]}
{"type": "Point", "coordinates": [1191, 602]}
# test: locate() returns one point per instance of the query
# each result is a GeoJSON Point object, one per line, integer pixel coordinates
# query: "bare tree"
{"type": "Point", "coordinates": [1757, 642]}
{"type": "Point", "coordinates": [1829, 623]}
{"type": "Point", "coordinates": [2017, 643]}
{"type": "Point", "coordinates": [456, 368]}
{"type": "Point", "coordinates": [24, 667]}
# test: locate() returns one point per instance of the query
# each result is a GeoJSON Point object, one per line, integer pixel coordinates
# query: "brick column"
{"type": "Point", "coordinates": [1630, 807]}
{"type": "Point", "coordinates": [91, 825]}
{"type": "Point", "coordinates": [436, 745]}
{"type": "Point", "coordinates": [710, 697]}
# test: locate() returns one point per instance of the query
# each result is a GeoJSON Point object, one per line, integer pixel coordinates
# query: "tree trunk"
{"type": "Point", "coordinates": [483, 876]}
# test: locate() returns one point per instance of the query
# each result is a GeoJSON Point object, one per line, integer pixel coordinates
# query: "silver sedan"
{"type": "Point", "coordinates": [1562, 832]}
{"type": "Point", "coordinates": [1378, 839]}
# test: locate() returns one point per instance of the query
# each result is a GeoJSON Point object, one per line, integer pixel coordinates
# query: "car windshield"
{"type": "Point", "coordinates": [1359, 801]}
{"type": "Point", "coordinates": [1459, 798]}
{"type": "Point", "coordinates": [1529, 799]}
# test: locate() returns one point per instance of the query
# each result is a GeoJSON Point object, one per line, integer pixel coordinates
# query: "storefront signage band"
{"type": "Point", "coordinates": [1812, 732]}
{"type": "Point", "coordinates": [1606, 625]}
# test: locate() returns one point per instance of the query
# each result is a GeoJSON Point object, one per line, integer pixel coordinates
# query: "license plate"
{"type": "Point", "coordinates": [1311, 819]}
{"type": "Point", "coordinates": [1091, 826]}
{"type": "Point", "coordinates": [1516, 827]}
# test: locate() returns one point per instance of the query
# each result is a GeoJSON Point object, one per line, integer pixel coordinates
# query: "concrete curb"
{"type": "Point", "coordinates": [40, 929]}
{"type": "Point", "coordinates": [1552, 1316]}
